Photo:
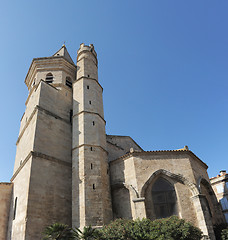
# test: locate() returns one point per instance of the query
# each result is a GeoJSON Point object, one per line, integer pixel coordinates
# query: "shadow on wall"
{"type": "Point", "coordinates": [121, 201]}
{"type": "Point", "coordinates": [12, 215]}
{"type": "Point", "coordinates": [211, 206]}
{"type": "Point", "coordinates": [75, 167]}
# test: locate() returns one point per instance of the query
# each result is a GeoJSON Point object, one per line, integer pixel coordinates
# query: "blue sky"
{"type": "Point", "coordinates": [162, 64]}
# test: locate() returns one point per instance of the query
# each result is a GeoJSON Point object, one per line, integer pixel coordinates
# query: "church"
{"type": "Point", "coordinates": [68, 170]}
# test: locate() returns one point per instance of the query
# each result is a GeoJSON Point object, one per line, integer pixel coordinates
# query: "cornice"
{"type": "Point", "coordinates": [160, 152]}
{"type": "Point", "coordinates": [6, 183]}
{"type": "Point", "coordinates": [46, 64]}
{"type": "Point", "coordinates": [21, 166]}
{"type": "Point", "coordinates": [39, 155]}
{"type": "Point", "coordinates": [86, 51]}
{"type": "Point", "coordinates": [216, 180]}
{"type": "Point", "coordinates": [120, 136]}
{"type": "Point", "coordinates": [90, 145]}
{"type": "Point", "coordinates": [26, 125]}
{"type": "Point", "coordinates": [89, 78]}
{"type": "Point", "coordinates": [33, 113]}
{"type": "Point", "coordinates": [77, 114]}
{"type": "Point", "coordinates": [34, 88]}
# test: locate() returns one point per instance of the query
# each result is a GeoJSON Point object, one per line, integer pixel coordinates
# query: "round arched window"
{"type": "Point", "coordinates": [68, 82]}
{"type": "Point", "coordinates": [164, 198]}
{"type": "Point", "coordinates": [49, 78]}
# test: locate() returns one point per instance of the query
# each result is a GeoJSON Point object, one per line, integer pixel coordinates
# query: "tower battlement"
{"type": "Point", "coordinates": [84, 50]}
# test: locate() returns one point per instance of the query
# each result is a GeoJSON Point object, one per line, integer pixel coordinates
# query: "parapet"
{"type": "Point", "coordinates": [85, 49]}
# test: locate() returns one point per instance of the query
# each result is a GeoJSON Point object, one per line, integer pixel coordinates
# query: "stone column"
{"type": "Point", "coordinates": [203, 216]}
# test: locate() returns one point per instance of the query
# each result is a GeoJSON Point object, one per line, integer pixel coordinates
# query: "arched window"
{"type": "Point", "coordinates": [68, 82]}
{"type": "Point", "coordinates": [164, 198]}
{"type": "Point", "coordinates": [49, 78]}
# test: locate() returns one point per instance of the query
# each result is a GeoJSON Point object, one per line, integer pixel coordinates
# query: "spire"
{"type": "Point", "coordinates": [64, 53]}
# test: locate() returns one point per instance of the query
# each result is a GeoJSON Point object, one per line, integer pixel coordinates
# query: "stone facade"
{"type": "Point", "coordinates": [68, 170]}
{"type": "Point", "coordinates": [220, 187]}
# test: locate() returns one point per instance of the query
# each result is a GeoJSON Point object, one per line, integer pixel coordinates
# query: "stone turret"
{"type": "Point", "coordinates": [90, 179]}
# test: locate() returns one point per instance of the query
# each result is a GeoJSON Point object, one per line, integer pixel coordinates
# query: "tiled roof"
{"type": "Point", "coordinates": [183, 150]}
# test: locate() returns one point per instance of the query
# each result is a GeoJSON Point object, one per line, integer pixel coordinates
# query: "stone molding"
{"type": "Point", "coordinates": [178, 177]}
{"type": "Point", "coordinates": [115, 145]}
{"type": "Point", "coordinates": [5, 183]}
{"type": "Point", "coordinates": [21, 166]}
{"type": "Point", "coordinates": [39, 155]}
{"type": "Point", "coordinates": [34, 88]}
{"type": "Point", "coordinates": [160, 152]}
{"type": "Point", "coordinates": [26, 125]}
{"type": "Point", "coordinates": [86, 51]}
{"type": "Point", "coordinates": [52, 114]}
{"type": "Point", "coordinates": [50, 158]}
{"type": "Point", "coordinates": [75, 115]}
{"type": "Point", "coordinates": [62, 85]}
{"type": "Point", "coordinates": [139, 200]}
{"type": "Point", "coordinates": [37, 107]}
{"type": "Point", "coordinates": [131, 188]}
{"type": "Point", "coordinates": [89, 78]}
{"type": "Point", "coordinates": [89, 145]}
{"type": "Point", "coordinates": [41, 64]}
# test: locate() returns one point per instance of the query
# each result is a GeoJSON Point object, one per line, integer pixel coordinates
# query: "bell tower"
{"type": "Point", "coordinates": [41, 180]}
{"type": "Point", "coordinates": [91, 200]}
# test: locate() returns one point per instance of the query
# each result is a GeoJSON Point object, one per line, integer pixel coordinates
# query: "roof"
{"type": "Point", "coordinates": [120, 136]}
{"type": "Point", "coordinates": [183, 150]}
{"type": "Point", "coordinates": [64, 53]}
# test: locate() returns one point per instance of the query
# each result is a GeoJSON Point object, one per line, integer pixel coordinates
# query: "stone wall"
{"type": "Point", "coordinates": [49, 199]}
{"type": "Point", "coordinates": [138, 171]}
{"type": "Point", "coordinates": [5, 197]}
{"type": "Point", "coordinates": [117, 146]}
{"type": "Point", "coordinates": [18, 208]}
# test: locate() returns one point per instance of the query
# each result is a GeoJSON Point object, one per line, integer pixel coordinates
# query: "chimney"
{"type": "Point", "coordinates": [222, 172]}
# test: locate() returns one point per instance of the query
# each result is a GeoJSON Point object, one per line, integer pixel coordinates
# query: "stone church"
{"type": "Point", "coordinates": [68, 170]}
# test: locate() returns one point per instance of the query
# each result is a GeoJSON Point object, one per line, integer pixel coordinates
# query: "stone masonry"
{"type": "Point", "coordinates": [68, 170]}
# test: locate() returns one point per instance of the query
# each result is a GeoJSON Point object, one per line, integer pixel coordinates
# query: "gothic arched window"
{"type": "Point", "coordinates": [164, 198]}
{"type": "Point", "coordinates": [49, 78]}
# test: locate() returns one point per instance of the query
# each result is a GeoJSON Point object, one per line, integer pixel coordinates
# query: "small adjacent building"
{"type": "Point", "coordinates": [220, 187]}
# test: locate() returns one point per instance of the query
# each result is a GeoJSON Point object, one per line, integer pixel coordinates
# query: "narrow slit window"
{"type": "Point", "coordinates": [15, 208]}
{"type": "Point", "coordinates": [91, 148]}
{"type": "Point", "coordinates": [87, 86]}
{"type": "Point", "coordinates": [68, 82]}
{"type": "Point", "coordinates": [71, 115]}
{"type": "Point", "coordinates": [93, 123]}
{"type": "Point", "coordinates": [90, 102]}
{"type": "Point", "coordinates": [49, 78]}
{"type": "Point", "coordinates": [91, 166]}
{"type": "Point", "coordinates": [93, 186]}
